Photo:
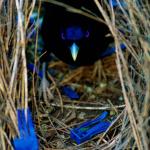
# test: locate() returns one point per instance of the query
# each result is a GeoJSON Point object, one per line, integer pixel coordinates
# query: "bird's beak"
{"type": "Point", "coordinates": [74, 51]}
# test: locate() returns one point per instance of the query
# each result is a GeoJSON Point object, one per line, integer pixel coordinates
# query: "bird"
{"type": "Point", "coordinates": [74, 38]}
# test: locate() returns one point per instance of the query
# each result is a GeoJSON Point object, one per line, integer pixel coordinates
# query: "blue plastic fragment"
{"type": "Point", "coordinates": [111, 50]}
{"type": "Point", "coordinates": [35, 22]}
{"type": "Point", "coordinates": [27, 139]}
{"type": "Point", "coordinates": [34, 19]}
{"type": "Point", "coordinates": [31, 67]}
{"type": "Point", "coordinates": [88, 129]}
{"type": "Point", "coordinates": [115, 3]}
{"type": "Point", "coordinates": [68, 91]}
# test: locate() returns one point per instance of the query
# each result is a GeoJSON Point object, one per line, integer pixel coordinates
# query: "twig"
{"type": "Point", "coordinates": [88, 107]}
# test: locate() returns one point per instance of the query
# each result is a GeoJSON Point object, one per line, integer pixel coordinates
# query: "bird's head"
{"type": "Point", "coordinates": [72, 35]}
{"type": "Point", "coordinates": [75, 39]}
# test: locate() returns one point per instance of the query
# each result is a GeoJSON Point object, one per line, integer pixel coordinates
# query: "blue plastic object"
{"type": "Point", "coordinates": [111, 50]}
{"type": "Point", "coordinates": [27, 139]}
{"type": "Point", "coordinates": [31, 67]}
{"type": "Point", "coordinates": [36, 23]}
{"type": "Point", "coordinates": [68, 91]}
{"type": "Point", "coordinates": [115, 3]}
{"type": "Point", "coordinates": [89, 129]}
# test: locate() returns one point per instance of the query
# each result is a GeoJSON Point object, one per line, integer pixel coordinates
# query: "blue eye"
{"type": "Point", "coordinates": [74, 33]}
{"type": "Point", "coordinates": [63, 36]}
{"type": "Point", "coordinates": [87, 34]}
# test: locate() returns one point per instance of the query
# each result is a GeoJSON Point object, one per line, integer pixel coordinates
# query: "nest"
{"type": "Point", "coordinates": [119, 84]}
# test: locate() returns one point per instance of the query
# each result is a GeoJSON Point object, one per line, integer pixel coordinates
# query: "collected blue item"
{"type": "Point", "coordinates": [35, 22]}
{"type": "Point", "coordinates": [27, 139]}
{"type": "Point", "coordinates": [31, 67]}
{"type": "Point", "coordinates": [115, 3]}
{"type": "Point", "coordinates": [111, 50]}
{"type": "Point", "coordinates": [34, 19]}
{"type": "Point", "coordinates": [88, 129]}
{"type": "Point", "coordinates": [68, 91]}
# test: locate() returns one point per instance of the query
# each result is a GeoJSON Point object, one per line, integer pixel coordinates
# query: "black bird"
{"type": "Point", "coordinates": [74, 38]}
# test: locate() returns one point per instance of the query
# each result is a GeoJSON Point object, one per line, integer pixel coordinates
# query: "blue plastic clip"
{"type": "Point", "coordinates": [27, 139]}
{"type": "Point", "coordinates": [68, 91]}
{"type": "Point", "coordinates": [89, 129]}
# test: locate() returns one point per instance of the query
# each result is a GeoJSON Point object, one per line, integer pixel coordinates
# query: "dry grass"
{"type": "Point", "coordinates": [56, 114]}
{"type": "Point", "coordinates": [134, 73]}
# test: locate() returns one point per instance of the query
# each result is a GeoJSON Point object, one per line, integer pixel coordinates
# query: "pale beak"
{"type": "Point", "coordinates": [74, 51]}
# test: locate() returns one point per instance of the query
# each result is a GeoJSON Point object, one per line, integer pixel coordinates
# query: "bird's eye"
{"type": "Point", "coordinates": [87, 34]}
{"type": "Point", "coordinates": [63, 36]}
